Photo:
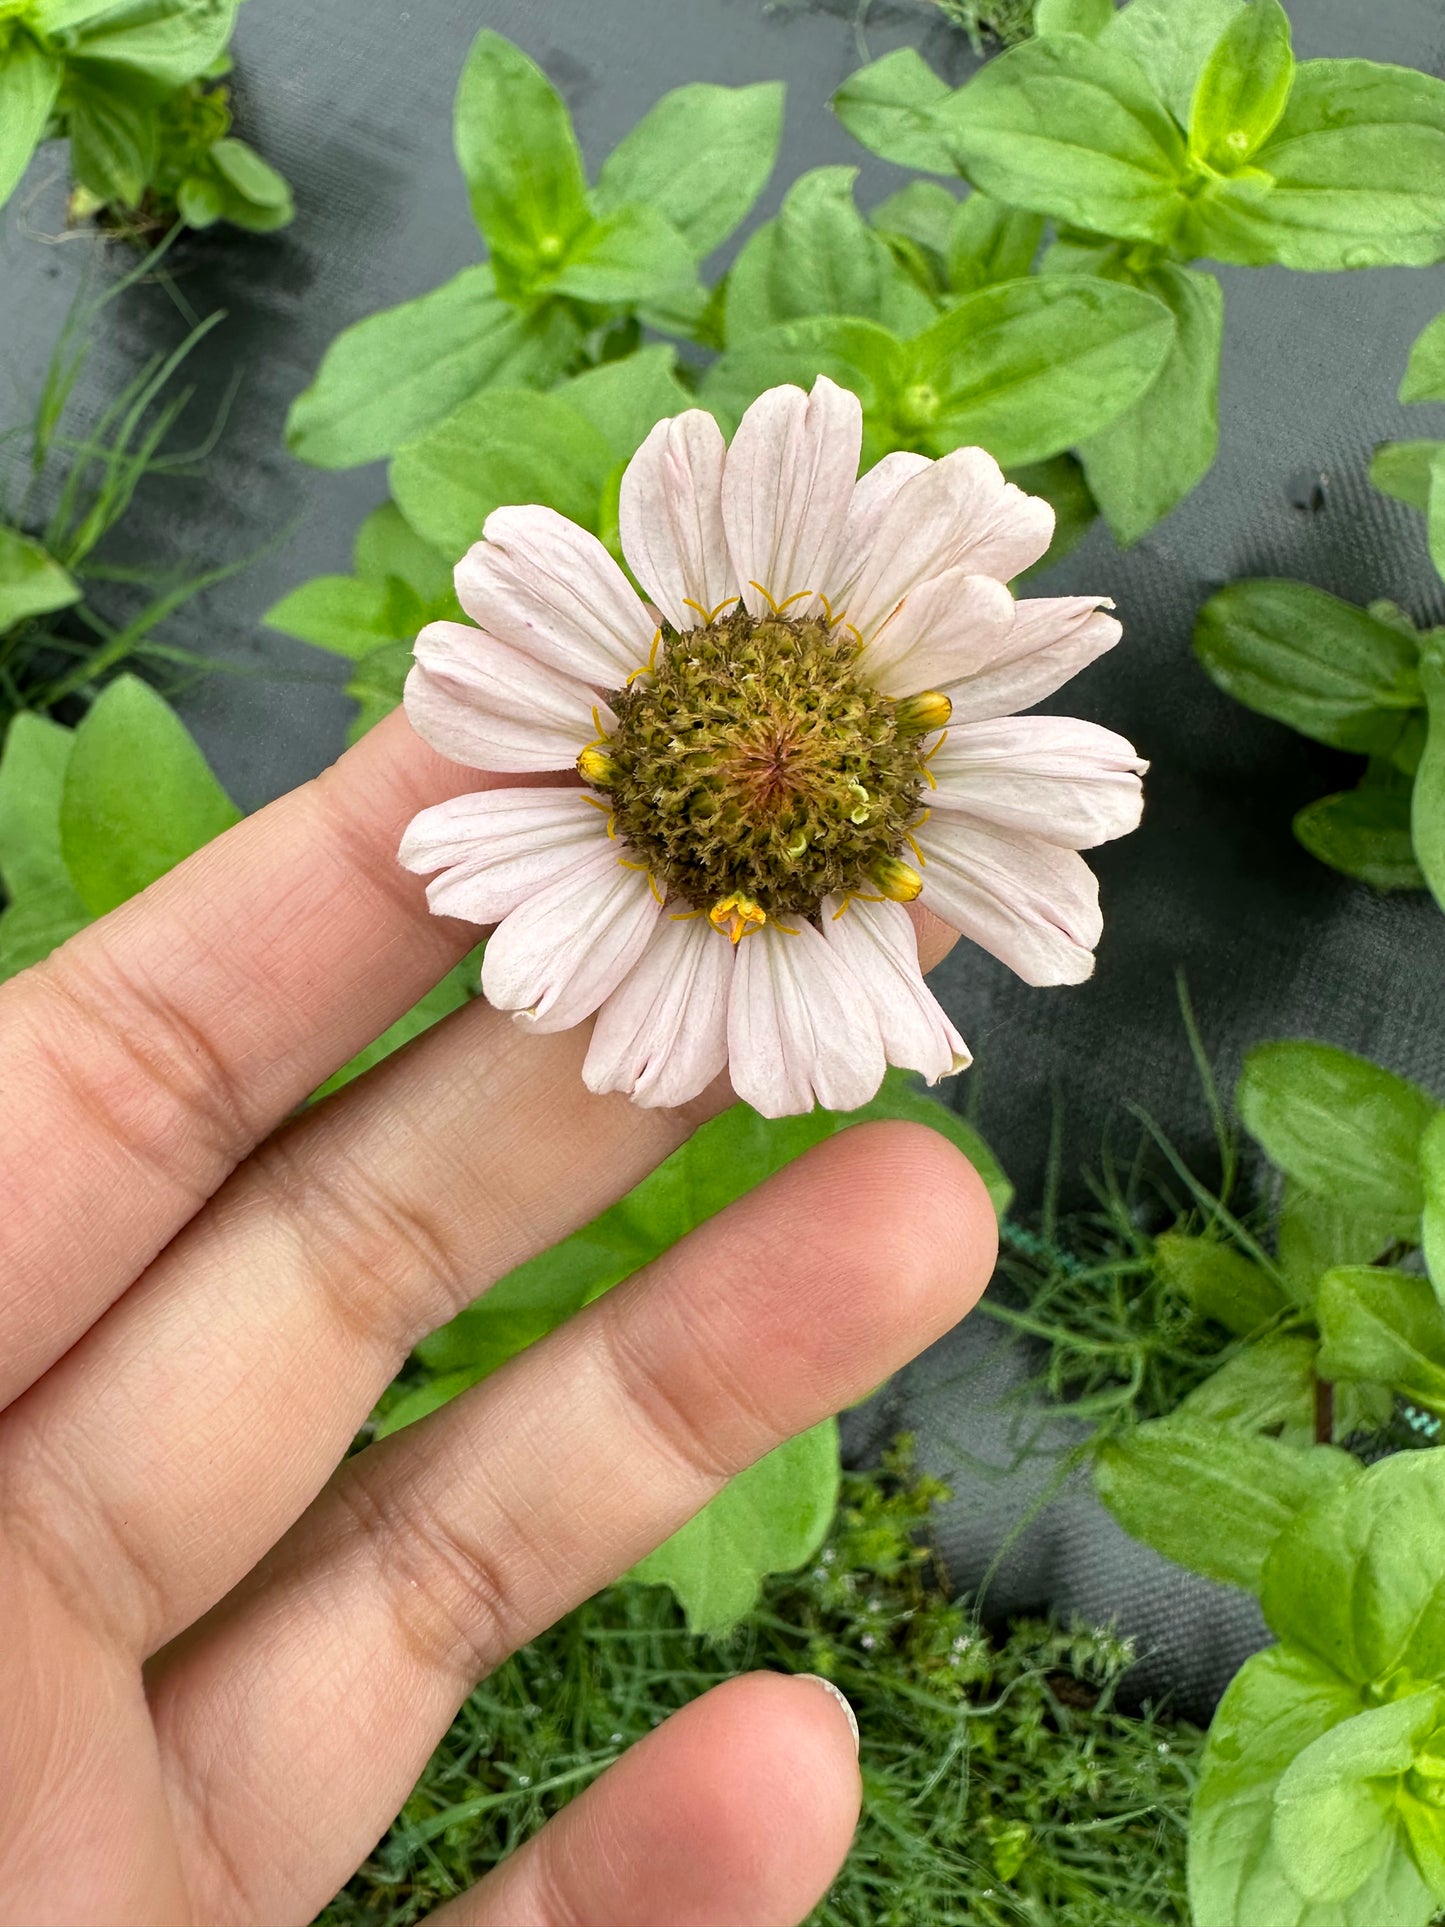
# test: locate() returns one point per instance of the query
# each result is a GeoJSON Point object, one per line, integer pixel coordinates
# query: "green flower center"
{"type": "Point", "coordinates": [754, 763]}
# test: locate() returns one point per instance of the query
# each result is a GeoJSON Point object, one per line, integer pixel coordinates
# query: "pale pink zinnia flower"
{"type": "Point", "coordinates": [767, 773]}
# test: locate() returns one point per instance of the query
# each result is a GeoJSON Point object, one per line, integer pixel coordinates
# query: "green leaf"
{"type": "Point", "coordinates": [257, 196]}
{"type": "Point", "coordinates": [113, 140]}
{"type": "Point", "coordinates": [1266, 1387]}
{"type": "Point", "coordinates": [32, 582]}
{"type": "Point", "coordinates": [1171, 40]}
{"type": "Point", "coordinates": [1357, 175]}
{"type": "Point", "coordinates": [505, 445]}
{"type": "Point", "coordinates": [458, 987]}
{"type": "Point", "coordinates": [37, 923]}
{"type": "Point", "coordinates": [825, 259]}
{"type": "Point", "coordinates": [1243, 89]}
{"type": "Point", "coordinates": [1277, 1704]}
{"type": "Point", "coordinates": [377, 685]}
{"type": "Point", "coordinates": [388, 546]}
{"type": "Point", "coordinates": [519, 158]}
{"type": "Point", "coordinates": [1066, 128]}
{"type": "Point", "coordinates": [989, 243]}
{"type": "Point", "coordinates": [1324, 667]}
{"type": "Point", "coordinates": [1031, 367]}
{"type": "Point", "coordinates": [1318, 1233]}
{"type": "Point", "coordinates": [1425, 373]}
{"type": "Point", "coordinates": [1435, 511]}
{"type": "Point", "coordinates": [391, 377]}
{"type": "Point", "coordinates": [1210, 1497]}
{"type": "Point", "coordinates": [200, 201]}
{"type": "Point", "coordinates": [701, 158]}
{"type": "Point", "coordinates": [923, 214]}
{"type": "Point", "coordinates": [857, 354]}
{"type": "Point", "coordinates": [1088, 17]}
{"type": "Point", "coordinates": [891, 107]}
{"type": "Point", "coordinates": [339, 613]}
{"type": "Point", "coordinates": [32, 780]}
{"type": "Point", "coordinates": [157, 45]}
{"type": "Point", "coordinates": [1402, 469]}
{"type": "Point", "coordinates": [771, 1518]}
{"type": "Point", "coordinates": [1220, 1282]}
{"type": "Point", "coordinates": [1150, 457]}
{"type": "Point", "coordinates": [1432, 1175]}
{"type": "Point", "coordinates": [1339, 1125]}
{"type": "Point", "coordinates": [1061, 483]}
{"type": "Point", "coordinates": [628, 256]}
{"type": "Point", "coordinates": [624, 400]}
{"type": "Point", "coordinates": [1365, 832]}
{"type": "Point", "coordinates": [139, 796]}
{"type": "Point", "coordinates": [1384, 1328]}
{"type": "Point", "coordinates": [1358, 1578]}
{"type": "Point", "coordinates": [1427, 809]}
{"type": "Point", "coordinates": [29, 83]}
{"type": "Point", "coordinates": [419, 1401]}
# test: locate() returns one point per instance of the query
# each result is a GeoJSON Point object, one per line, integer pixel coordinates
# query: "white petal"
{"type": "Point", "coordinates": [670, 517]}
{"type": "Point", "coordinates": [662, 1036]}
{"type": "Point", "coordinates": [564, 951]}
{"type": "Point", "coordinates": [800, 1026]}
{"type": "Point", "coordinates": [950, 624]}
{"type": "Point", "coordinates": [872, 497]}
{"type": "Point", "coordinates": [959, 513]}
{"type": "Point", "coordinates": [499, 848]}
{"type": "Point", "coordinates": [490, 707]}
{"type": "Point", "coordinates": [1066, 781]}
{"type": "Point", "coordinates": [878, 944]}
{"type": "Point", "coordinates": [787, 485]}
{"type": "Point", "coordinates": [539, 582]}
{"type": "Point", "coordinates": [1052, 639]}
{"type": "Point", "coordinates": [1033, 905]}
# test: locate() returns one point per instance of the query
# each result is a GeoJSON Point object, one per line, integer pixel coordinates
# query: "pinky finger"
{"type": "Point", "coordinates": [740, 1808]}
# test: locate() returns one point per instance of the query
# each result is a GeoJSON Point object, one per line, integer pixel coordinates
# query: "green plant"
{"type": "Point", "coordinates": [131, 85]}
{"type": "Point", "coordinates": [1155, 136]}
{"type": "Point", "coordinates": [1002, 1786]}
{"type": "Point", "coordinates": [1003, 21]}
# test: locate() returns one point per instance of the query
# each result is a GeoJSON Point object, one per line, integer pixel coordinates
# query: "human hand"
{"type": "Point", "coordinates": [229, 1654]}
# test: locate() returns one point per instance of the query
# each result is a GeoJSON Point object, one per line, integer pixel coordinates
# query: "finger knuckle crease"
{"type": "Point", "coordinates": [660, 1410]}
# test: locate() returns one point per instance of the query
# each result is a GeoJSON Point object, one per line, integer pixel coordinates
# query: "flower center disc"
{"type": "Point", "coordinates": [753, 761]}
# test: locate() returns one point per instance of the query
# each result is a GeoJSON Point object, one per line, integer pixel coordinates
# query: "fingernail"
{"type": "Point", "coordinates": [848, 1713]}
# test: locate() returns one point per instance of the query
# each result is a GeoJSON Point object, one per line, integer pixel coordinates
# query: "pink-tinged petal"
{"type": "Point", "coordinates": [662, 1036]}
{"type": "Point", "coordinates": [499, 848]}
{"type": "Point", "coordinates": [871, 500]}
{"type": "Point", "coordinates": [564, 951]}
{"type": "Point", "coordinates": [877, 943]}
{"type": "Point", "coordinates": [671, 521]}
{"type": "Point", "coordinates": [1033, 905]}
{"type": "Point", "coordinates": [800, 1026]}
{"type": "Point", "coordinates": [1053, 777]}
{"type": "Point", "coordinates": [1052, 639]}
{"type": "Point", "coordinates": [959, 513]}
{"type": "Point", "coordinates": [484, 704]}
{"type": "Point", "coordinates": [950, 624]}
{"type": "Point", "coordinates": [550, 589]}
{"type": "Point", "coordinates": [787, 485]}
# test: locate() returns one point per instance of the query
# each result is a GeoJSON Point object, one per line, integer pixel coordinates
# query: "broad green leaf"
{"type": "Point", "coordinates": [1365, 832]}
{"type": "Point", "coordinates": [505, 445]}
{"type": "Point", "coordinates": [32, 583]}
{"type": "Point", "coordinates": [419, 1401]}
{"type": "Point", "coordinates": [29, 83]}
{"type": "Point", "coordinates": [1402, 469]}
{"type": "Point", "coordinates": [1425, 374]}
{"type": "Point", "coordinates": [1243, 89]}
{"type": "Point", "coordinates": [1356, 173]}
{"type": "Point", "coordinates": [1150, 457]}
{"type": "Point", "coordinates": [1318, 1233]}
{"type": "Point", "coordinates": [1210, 1497]}
{"type": "Point", "coordinates": [139, 796]}
{"type": "Point", "coordinates": [388, 546]}
{"type": "Point", "coordinates": [630, 255]}
{"type": "Point", "coordinates": [1435, 511]}
{"type": "Point", "coordinates": [701, 158]}
{"type": "Point", "coordinates": [113, 140]}
{"type": "Point", "coordinates": [989, 242]}
{"type": "Point", "coordinates": [1323, 666]}
{"type": "Point", "coordinates": [1029, 368]}
{"type": "Point", "coordinates": [1171, 40]}
{"type": "Point", "coordinates": [923, 213]}
{"type": "Point", "coordinates": [1088, 17]}
{"type": "Point", "coordinates": [519, 158]}
{"type": "Point", "coordinates": [1338, 1124]}
{"type": "Point", "coordinates": [1061, 483]}
{"type": "Point", "coordinates": [1383, 1327]}
{"type": "Point", "coordinates": [157, 45]}
{"type": "Point", "coordinates": [771, 1518]}
{"type": "Point", "coordinates": [391, 377]}
{"type": "Point", "coordinates": [200, 200]}
{"type": "Point", "coordinates": [32, 781]}
{"type": "Point", "coordinates": [37, 923]}
{"type": "Point", "coordinates": [1064, 127]}
{"type": "Point", "coordinates": [1432, 1224]}
{"type": "Point", "coordinates": [824, 258]}
{"type": "Point", "coordinates": [747, 292]}
{"type": "Point", "coordinates": [455, 989]}
{"type": "Point", "coordinates": [1279, 1702]}
{"type": "Point", "coordinates": [1219, 1281]}
{"type": "Point", "coordinates": [376, 686]}
{"type": "Point", "coordinates": [1268, 1387]}
{"type": "Point", "coordinates": [625, 399]}
{"type": "Point", "coordinates": [341, 613]}
{"type": "Point", "coordinates": [1358, 1578]}
{"type": "Point", "coordinates": [1427, 809]}
{"type": "Point", "coordinates": [256, 195]}
{"type": "Point", "coordinates": [891, 106]}
{"type": "Point", "coordinates": [1335, 1814]}
{"type": "Point", "coordinates": [857, 354]}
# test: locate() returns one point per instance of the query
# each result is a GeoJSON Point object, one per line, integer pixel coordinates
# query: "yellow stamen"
{"type": "Point", "coordinates": [920, 715]}
{"type": "Point", "coordinates": [651, 663]}
{"type": "Point", "coordinates": [735, 916]}
{"type": "Point", "coordinates": [596, 767]}
{"type": "Point", "coordinates": [798, 595]}
{"type": "Point", "coordinates": [766, 597]}
{"type": "Point", "coordinates": [898, 881]}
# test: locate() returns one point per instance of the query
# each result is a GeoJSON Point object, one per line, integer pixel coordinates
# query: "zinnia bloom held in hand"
{"type": "Point", "coordinates": [811, 727]}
